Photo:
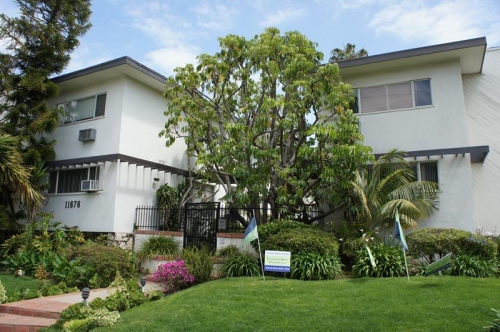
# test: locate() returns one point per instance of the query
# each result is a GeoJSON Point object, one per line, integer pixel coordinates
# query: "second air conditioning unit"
{"type": "Point", "coordinates": [89, 185]}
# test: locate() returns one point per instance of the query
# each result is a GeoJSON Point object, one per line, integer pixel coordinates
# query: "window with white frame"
{"type": "Point", "coordinates": [69, 180]}
{"type": "Point", "coordinates": [83, 109]}
{"type": "Point", "coordinates": [426, 171]}
{"type": "Point", "coordinates": [392, 96]}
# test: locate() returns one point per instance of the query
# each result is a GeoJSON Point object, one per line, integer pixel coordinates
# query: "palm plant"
{"type": "Point", "coordinates": [348, 52]}
{"type": "Point", "coordinates": [390, 185]}
{"type": "Point", "coordinates": [18, 179]}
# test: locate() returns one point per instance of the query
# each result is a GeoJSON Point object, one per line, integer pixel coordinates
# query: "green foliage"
{"type": "Point", "coordinates": [494, 325]}
{"type": "Point", "coordinates": [241, 265]}
{"type": "Point", "coordinates": [105, 261]}
{"type": "Point", "coordinates": [353, 237]}
{"type": "Point", "coordinates": [284, 130]}
{"type": "Point", "coordinates": [474, 266]}
{"type": "Point", "coordinates": [347, 53]}
{"type": "Point", "coordinates": [79, 317]}
{"type": "Point", "coordinates": [200, 262]}
{"type": "Point", "coordinates": [42, 245]}
{"type": "Point", "coordinates": [3, 293]}
{"type": "Point", "coordinates": [228, 251]}
{"type": "Point", "coordinates": [274, 227]}
{"type": "Point", "coordinates": [39, 42]}
{"type": "Point", "coordinates": [155, 295]}
{"type": "Point", "coordinates": [123, 295]}
{"type": "Point", "coordinates": [158, 246]}
{"type": "Point", "coordinates": [311, 266]}
{"type": "Point", "coordinates": [431, 242]}
{"type": "Point", "coordinates": [389, 261]}
{"type": "Point", "coordinates": [305, 240]}
{"type": "Point", "coordinates": [376, 193]}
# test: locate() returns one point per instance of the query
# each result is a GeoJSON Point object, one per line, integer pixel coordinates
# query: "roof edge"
{"type": "Point", "coordinates": [125, 60]}
{"type": "Point", "coordinates": [420, 51]}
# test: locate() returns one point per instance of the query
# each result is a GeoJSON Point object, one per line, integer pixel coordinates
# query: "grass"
{"type": "Point", "coordinates": [390, 304]}
{"type": "Point", "coordinates": [15, 285]}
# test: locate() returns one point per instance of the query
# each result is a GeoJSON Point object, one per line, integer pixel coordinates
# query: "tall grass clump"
{"type": "Point", "coordinates": [200, 262]}
{"type": "Point", "coordinates": [158, 246]}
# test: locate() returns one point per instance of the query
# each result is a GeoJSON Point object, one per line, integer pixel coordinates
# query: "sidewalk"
{"type": "Point", "coordinates": [32, 315]}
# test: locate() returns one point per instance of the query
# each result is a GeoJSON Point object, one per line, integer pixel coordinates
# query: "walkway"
{"type": "Point", "coordinates": [32, 315]}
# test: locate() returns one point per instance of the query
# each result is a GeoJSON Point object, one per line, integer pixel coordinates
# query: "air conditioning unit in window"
{"type": "Point", "coordinates": [89, 185]}
{"type": "Point", "coordinates": [87, 135]}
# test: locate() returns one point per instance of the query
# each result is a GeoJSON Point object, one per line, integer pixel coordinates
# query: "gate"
{"type": "Point", "coordinates": [200, 224]}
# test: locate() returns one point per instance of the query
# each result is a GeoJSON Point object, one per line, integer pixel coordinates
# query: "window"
{"type": "Point", "coordinates": [427, 172]}
{"type": "Point", "coordinates": [69, 180]}
{"type": "Point", "coordinates": [392, 96]}
{"type": "Point", "coordinates": [83, 109]}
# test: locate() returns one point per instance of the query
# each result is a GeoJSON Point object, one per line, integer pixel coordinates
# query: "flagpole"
{"type": "Point", "coordinates": [261, 264]}
{"type": "Point", "coordinates": [406, 264]}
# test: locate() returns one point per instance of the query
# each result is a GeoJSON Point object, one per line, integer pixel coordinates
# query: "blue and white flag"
{"type": "Point", "coordinates": [398, 232]}
{"type": "Point", "coordinates": [251, 231]}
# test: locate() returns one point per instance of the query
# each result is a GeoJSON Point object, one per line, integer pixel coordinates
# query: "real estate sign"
{"type": "Point", "coordinates": [277, 261]}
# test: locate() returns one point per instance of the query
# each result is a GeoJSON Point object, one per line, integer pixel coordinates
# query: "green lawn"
{"type": "Point", "coordinates": [14, 285]}
{"type": "Point", "coordinates": [436, 303]}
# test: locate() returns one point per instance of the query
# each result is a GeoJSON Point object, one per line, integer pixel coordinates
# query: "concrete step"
{"type": "Point", "coordinates": [15, 323]}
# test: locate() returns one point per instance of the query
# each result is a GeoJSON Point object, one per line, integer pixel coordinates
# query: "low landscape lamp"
{"type": "Point", "coordinates": [143, 283]}
{"type": "Point", "coordinates": [85, 295]}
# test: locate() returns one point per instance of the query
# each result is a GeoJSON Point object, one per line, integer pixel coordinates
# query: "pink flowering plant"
{"type": "Point", "coordinates": [173, 276]}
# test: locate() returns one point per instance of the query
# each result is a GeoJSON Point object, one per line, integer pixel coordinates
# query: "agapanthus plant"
{"type": "Point", "coordinates": [173, 276]}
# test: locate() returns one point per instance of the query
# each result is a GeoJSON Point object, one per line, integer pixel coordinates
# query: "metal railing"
{"type": "Point", "coordinates": [229, 220]}
{"type": "Point", "coordinates": [157, 219]}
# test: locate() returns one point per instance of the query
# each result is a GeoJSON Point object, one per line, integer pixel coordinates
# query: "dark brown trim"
{"type": "Point", "coordinates": [111, 64]}
{"type": "Point", "coordinates": [420, 51]}
{"type": "Point", "coordinates": [115, 157]}
{"type": "Point", "coordinates": [477, 153]}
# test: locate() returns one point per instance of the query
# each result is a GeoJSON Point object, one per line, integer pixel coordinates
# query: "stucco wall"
{"type": "Point", "coordinates": [482, 101]}
{"type": "Point", "coordinates": [441, 125]}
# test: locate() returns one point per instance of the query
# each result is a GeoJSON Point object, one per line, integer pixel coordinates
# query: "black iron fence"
{"type": "Point", "coordinates": [155, 218]}
{"type": "Point", "coordinates": [223, 219]}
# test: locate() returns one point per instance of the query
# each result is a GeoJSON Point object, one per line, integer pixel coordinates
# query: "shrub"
{"type": "Point", "coordinates": [302, 240]}
{"type": "Point", "coordinates": [272, 228]}
{"type": "Point", "coordinates": [389, 262]}
{"type": "Point", "coordinates": [173, 276]}
{"type": "Point", "coordinates": [200, 262]}
{"type": "Point", "coordinates": [495, 324]}
{"type": "Point", "coordinates": [310, 266]}
{"type": "Point", "coordinates": [79, 317]}
{"type": "Point", "coordinates": [241, 265]}
{"type": "Point", "coordinates": [431, 242]}
{"type": "Point", "coordinates": [123, 294]}
{"type": "Point", "coordinates": [3, 296]}
{"type": "Point", "coordinates": [105, 261]}
{"type": "Point", "coordinates": [352, 237]}
{"type": "Point", "coordinates": [474, 266]}
{"type": "Point", "coordinates": [158, 246]}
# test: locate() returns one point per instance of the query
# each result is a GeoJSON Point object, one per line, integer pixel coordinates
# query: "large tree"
{"type": "Point", "coordinates": [267, 121]}
{"type": "Point", "coordinates": [38, 42]}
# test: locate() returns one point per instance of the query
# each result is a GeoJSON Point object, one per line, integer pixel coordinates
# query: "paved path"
{"type": "Point", "coordinates": [32, 315]}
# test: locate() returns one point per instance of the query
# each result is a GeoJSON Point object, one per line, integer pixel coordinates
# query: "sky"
{"type": "Point", "coordinates": [165, 34]}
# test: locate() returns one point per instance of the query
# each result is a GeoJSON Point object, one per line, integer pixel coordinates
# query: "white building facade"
{"type": "Point", "coordinates": [109, 156]}
{"type": "Point", "coordinates": [439, 103]}
{"type": "Point", "coordinates": [419, 101]}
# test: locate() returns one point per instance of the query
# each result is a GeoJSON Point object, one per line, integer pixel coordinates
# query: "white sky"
{"type": "Point", "coordinates": [164, 34]}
